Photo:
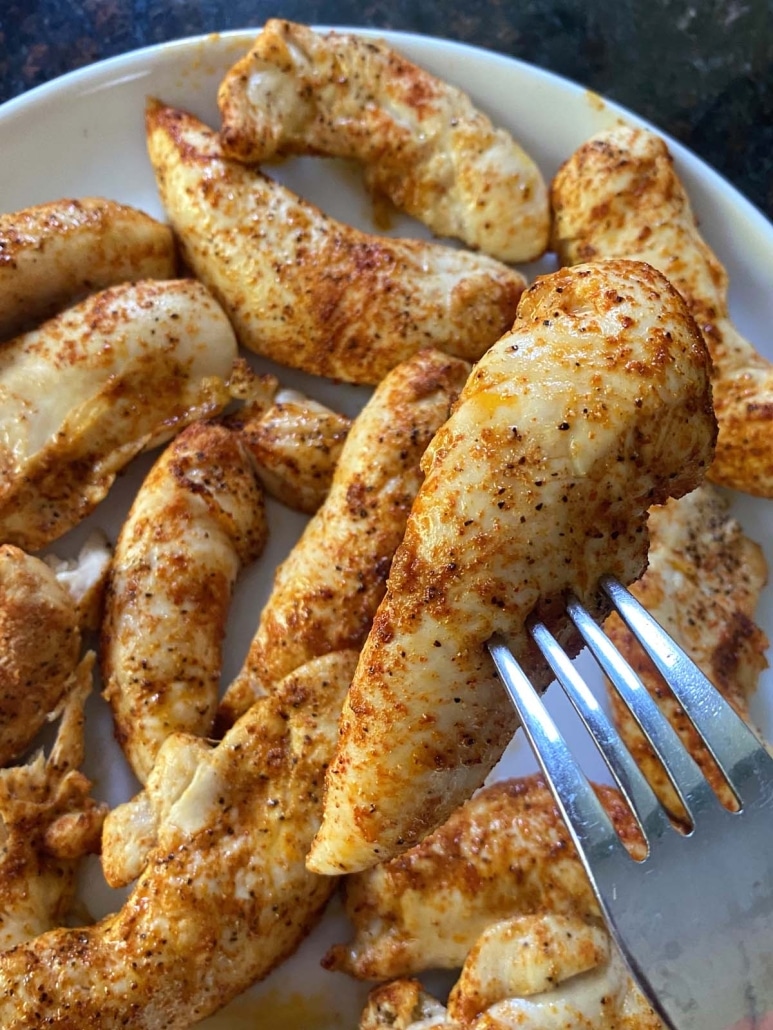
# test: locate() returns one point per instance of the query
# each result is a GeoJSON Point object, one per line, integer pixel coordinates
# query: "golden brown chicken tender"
{"type": "Point", "coordinates": [594, 407]}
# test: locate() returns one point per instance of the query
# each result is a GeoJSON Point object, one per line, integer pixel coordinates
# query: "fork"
{"type": "Point", "coordinates": [694, 918]}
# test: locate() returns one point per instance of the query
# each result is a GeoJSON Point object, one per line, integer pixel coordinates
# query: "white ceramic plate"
{"type": "Point", "coordinates": [83, 134]}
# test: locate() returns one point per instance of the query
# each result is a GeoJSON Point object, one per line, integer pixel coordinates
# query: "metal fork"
{"type": "Point", "coordinates": [694, 919]}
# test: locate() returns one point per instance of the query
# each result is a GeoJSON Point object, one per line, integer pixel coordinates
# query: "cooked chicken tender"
{"type": "Point", "coordinates": [87, 391]}
{"type": "Point", "coordinates": [538, 972]}
{"type": "Point", "coordinates": [53, 255]}
{"type": "Point", "coordinates": [40, 648]}
{"type": "Point", "coordinates": [85, 577]}
{"type": "Point", "coordinates": [295, 443]}
{"type": "Point", "coordinates": [596, 406]}
{"type": "Point", "coordinates": [422, 142]}
{"type": "Point", "coordinates": [49, 822]}
{"type": "Point", "coordinates": [196, 520]}
{"type": "Point", "coordinates": [504, 853]}
{"type": "Point", "coordinates": [310, 292]}
{"type": "Point", "coordinates": [225, 895]}
{"type": "Point", "coordinates": [703, 584]}
{"type": "Point", "coordinates": [326, 592]}
{"type": "Point", "coordinates": [619, 196]}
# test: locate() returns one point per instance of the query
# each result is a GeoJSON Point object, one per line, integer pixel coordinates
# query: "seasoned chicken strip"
{"type": "Point", "coordinates": [295, 443]}
{"type": "Point", "coordinates": [310, 292]}
{"type": "Point", "coordinates": [702, 585]}
{"type": "Point", "coordinates": [619, 196]}
{"type": "Point", "coordinates": [197, 518]}
{"type": "Point", "coordinates": [422, 142]}
{"type": "Point", "coordinates": [596, 406]}
{"type": "Point", "coordinates": [54, 254]}
{"type": "Point", "coordinates": [225, 895]}
{"type": "Point", "coordinates": [539, 972]}
{"type": "Point", "coordinates": [41, 643]}
{"type": "Point", "coordinates": [87, 391]}
{"type": "Point", "coordinates": [504, 853]}
{"type": "Point", "coordinates": [326, 593]}
{"type": "Point", "coordinates": [49, 823]}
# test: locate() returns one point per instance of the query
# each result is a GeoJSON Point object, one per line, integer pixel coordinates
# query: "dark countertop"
{"type": "Point", "coordinates": [701, 70]}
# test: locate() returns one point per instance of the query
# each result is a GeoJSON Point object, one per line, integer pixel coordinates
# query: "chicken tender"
{"type": "Point", "coordinates": [87, 391]}
{"type": "Point", "coordinates": [85, 578]}
{"type": "Point", "coordinates": [40, 648]}
{"type": "Point", "coordinates": [54, 254]}
{"type": "Point", "coordinates": [619, 196]}
{"type": "Point", "coordinates": [310, 292]}
{"type": "Point", "coordinates": [198, 517]}
{"type": "Point", "coordinates": [504, 853]}
{"type": "Point", "coordinates": [534, 973]}
{"type": "Point", "coordinates": [594, 407]}
{"type": "Point", "coordinates": [225, 895]}
{"type": "Point", "coordinates": [422, 142]}
{"type": "Point", "coordinates": [326, 593]}
{"type": "Point", "coordinates": [49, 822]}
{"type": "Point", "coordinates": [295, 443]}
{"type": "Point", "coordinates": [703, 583]}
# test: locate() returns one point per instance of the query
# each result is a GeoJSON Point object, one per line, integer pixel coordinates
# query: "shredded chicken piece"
{"type": "Point", "coordinates": [224, 896]}
{"type": "Point", "coordinates": [596, 406]}
{"type": "Point", "coordinates": [196, 520]}
{"type": "Point", "coordinates": [87, 391]}
{"type": "Point", "coordinates": [49, 822]}
{"type": "Point", "coordinates": [422, 142]}
{"type": "Point", "coordinates": [326, 593]}
{"type": "Point", "coordinates": [40, 645]}
{"type": "Point", "coordinates": [506, 852]}
{"type": "Point", "coordinates": [310, 292]}
{"type": "Point", "coordinates": [620, 196]}
{"type": "Point", "coordinates": [85, 577]}
{"type": "Point", "coordinates": [702, 585]}
{"type": "Point", "coordinates": [55, 254]}
{"type": "Point", "coordinates": [295, 443]}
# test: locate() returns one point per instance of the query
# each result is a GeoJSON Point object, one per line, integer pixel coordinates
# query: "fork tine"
{"type": "Point", "coordinates": [589, 825]}
{"type": "Point", "coordinates": [688, 780]}
{"type": "Point", "coordinates": [650, 814]}
{"type": "Point", "coordinates": [732, 744]}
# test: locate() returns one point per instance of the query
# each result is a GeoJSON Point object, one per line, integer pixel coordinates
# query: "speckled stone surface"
{"type": "Point", "coordinates": [700, 70]}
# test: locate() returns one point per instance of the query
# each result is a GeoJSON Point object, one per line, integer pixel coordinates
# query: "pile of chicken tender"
{"type": "Point", "coordinates": [519, 441]}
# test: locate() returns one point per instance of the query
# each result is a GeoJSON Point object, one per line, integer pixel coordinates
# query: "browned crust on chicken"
{"type": "Point", "coordinates": [54, 254]}
{"type": "Point", "coordinates": [310, 292]}
{"type": "Point", "coordinates": [326, 593]}
{"type": "Point", "coordinates": [421, 141]}
{"type": "Point", "coordinates": [702, 585]}
{"type": "Point", "coordinates": [619, 195]}
{"type": "Point", "coordinates": [39, 648]}
{"type": "Point", "coordinates": [197, 518]}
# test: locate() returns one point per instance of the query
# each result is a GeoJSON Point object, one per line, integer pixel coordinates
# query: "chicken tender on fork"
{"type": "Point", "coordinates": [421, 141]}
{"type": "Point", "coordinates": [619, 196]}
{"type": "Point", "coordinates": [310, 292]}
{"type": "Point", "coordinates": [594, 407]}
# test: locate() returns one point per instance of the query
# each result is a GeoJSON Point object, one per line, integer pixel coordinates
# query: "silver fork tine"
{"type": "Point", "coordinates": [640, 796]}
{"type": "Point", "coordinates": [589, 825]}
{"type": "Point", "coordinates": [732, 744]}
{"type": "Point", "coordinates": [683, 771]}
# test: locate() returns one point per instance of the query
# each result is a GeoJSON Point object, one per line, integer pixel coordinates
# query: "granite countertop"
{"type": "Point", "coordinates": [702, 70]}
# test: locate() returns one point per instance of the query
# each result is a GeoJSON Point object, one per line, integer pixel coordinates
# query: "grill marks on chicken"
{"type": "Point", "coordinates": [421, 141]}
{"type": "Point", "coordinates": [594, 407]}
{"type": "Point", "coordinates": [86, 392]}
{"type": "Point", "coordinates": [326, 592]}
{"type": "Point", "coordinates": [54, 254]}
{"type": "Point", "coordinates": [310, 292]}
{"type": "Point", "coordinates": [619, 196]}
{"type": "Point", "coordinates": [197, 518]}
